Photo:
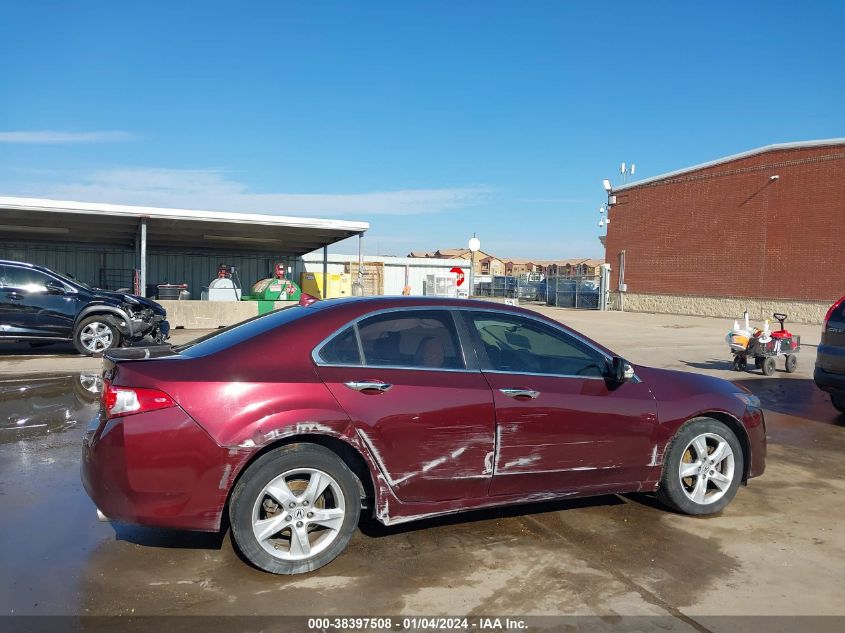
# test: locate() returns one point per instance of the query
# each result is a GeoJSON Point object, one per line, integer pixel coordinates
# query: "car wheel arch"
{"type": "Point", "coordinates": [728, 420]}
{"type": "Point", "coordinates": [106, 311]}
{"type": "Point", "coordinates": [348, 453]}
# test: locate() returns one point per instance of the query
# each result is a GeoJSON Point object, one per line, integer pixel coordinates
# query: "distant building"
{"type": "Point", "coordinates": [487, 264]}
{"type": "Point", "coordinates": [460, 253]}
{"type": "Point", "coordinates": [763, 225]}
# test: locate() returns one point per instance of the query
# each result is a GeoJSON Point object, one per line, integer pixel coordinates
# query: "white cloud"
{"type": "Point", "coordinates": [213, 190]}
{"type": "Point", "coordinates": [50, 137]}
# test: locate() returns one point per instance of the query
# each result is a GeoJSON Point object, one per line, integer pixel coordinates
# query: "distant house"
{"type": "Point", "coordinates": [465, 253]}
{"type": "Point", "coordinates": [491, 265]}
{"type": "Point", "coordinates": [514, 267]}
{"type": "Point", "coordinates": [487, 264]}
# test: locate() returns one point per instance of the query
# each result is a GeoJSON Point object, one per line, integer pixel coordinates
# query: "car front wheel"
{"type": "Point", "coordinates": [838, 402]}
{"type": "Point", "coordinates": [295, 509]}
{"type": "Point", "coordinates": [703, 468]}
{"type": "Point", "coordinates": [95, 335]}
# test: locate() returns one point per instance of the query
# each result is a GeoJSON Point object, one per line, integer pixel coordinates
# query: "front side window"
{"type": "Point", "coordinates": [516, 344]}
{"type": "Point", "coordinates": [25, 279]}
{"type": "Point", "coordinates": [418, 339]}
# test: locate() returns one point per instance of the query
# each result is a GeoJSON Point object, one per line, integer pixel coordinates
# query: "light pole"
{"type": "Point", "coordinates": [474, 247]}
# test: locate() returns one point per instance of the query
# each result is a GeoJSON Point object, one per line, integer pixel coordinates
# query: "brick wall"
{"type": "Point", "coordinates": [729, 231]}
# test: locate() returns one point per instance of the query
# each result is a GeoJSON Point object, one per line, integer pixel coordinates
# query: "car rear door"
{"type": "Point", "coordinates": [560, 425]}
{"type": "Point", "coordinates": [424, 412]}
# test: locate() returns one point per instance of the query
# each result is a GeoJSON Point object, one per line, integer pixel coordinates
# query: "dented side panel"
{"type": "Point", "coordinates": [577, 433]}
{"type": "Point", "coordinates": [431, 433]}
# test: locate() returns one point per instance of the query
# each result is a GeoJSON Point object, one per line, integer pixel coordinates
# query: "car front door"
{"type": "Point", "coordinates": [426, 415]}
{"type": "Point", "coordinates": [35, 304]}
{"type": "Point", "coordinates": [561, 425]}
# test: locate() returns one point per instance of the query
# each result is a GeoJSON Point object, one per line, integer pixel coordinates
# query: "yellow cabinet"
{"type": "Point", "coordinates": [337, 285]}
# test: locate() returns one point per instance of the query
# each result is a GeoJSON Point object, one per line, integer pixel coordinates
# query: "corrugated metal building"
{"type": "Point", "coordinates": [104, 245]}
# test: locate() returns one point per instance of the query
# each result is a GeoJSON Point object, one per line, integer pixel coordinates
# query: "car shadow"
{"type": "Point", "coordinates": [52, 349]}
{"type": "Point", "coordinates": [719, 363]}
{"type": "Point", "coordinates": [798, 397]}
{"type": "Point", "coordinates": [38, 349]}
{"type": "Point", "coordinates": [372, 528]}
{"type": "Point", "coordinates": [162, 537]}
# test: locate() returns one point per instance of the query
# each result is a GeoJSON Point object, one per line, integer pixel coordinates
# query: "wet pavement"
{"type": "Point", "coordinates": [777, 549]}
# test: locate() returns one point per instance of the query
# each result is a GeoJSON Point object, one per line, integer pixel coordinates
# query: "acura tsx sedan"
{"type": "Point", "coordinates": [287, 426]}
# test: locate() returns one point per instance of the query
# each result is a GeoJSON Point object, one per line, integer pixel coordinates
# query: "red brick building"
{"type": "Point", "coordinates": [768, 224]}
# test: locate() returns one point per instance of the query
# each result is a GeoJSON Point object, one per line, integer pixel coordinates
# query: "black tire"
{"type": "Point", "coordinates": [260, 474]}
{"type": "Point", "coordinates": [674, 491]}
{"type": "Point", "coordinates": [769, 366]}
{"type": "Point", "coordinates": [838, 401]}
{"type": "Point", "coordinates": [758, 363]}
{"type": "Point", "coordinates": [791, 363]}
{"type": "Point", "coordinates": [81, 331]}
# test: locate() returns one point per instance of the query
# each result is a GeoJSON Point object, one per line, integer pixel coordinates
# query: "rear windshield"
{"type": "Point", "coordinates": [233, 334]}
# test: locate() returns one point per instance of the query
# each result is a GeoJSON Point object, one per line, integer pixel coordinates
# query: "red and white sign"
{"type": "Point", "coordinates": [459, 273]}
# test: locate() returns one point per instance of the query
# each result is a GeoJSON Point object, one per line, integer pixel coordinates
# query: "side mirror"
{"type": "Point", "coordinates": [54, 288]}
{"type": "Point", "coordinates": [620, 370]}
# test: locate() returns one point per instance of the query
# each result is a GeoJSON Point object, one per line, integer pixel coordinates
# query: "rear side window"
{"type": "Point", "coordinates": [342, 349]}
{"type": "Point", "coordinates": [416, 339]}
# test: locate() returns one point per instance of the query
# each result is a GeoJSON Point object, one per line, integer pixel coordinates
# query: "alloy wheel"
{"type": "Point", "coordinates": [96, 337]}
{"type": "Point", "coordinates": [707, 468]}
{"type": "Point", "coordinates": [298, 514]}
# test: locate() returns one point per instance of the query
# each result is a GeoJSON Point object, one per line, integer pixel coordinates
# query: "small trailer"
{"type": "Point", "coordinates": [764, 347]}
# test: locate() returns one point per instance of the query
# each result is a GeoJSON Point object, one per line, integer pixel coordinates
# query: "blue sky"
{"type": "Point", "coordinates": [430, 120]}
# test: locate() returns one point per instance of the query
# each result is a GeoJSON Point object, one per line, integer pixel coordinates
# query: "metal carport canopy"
{"type": "Point", "coordinates": [172, 229]}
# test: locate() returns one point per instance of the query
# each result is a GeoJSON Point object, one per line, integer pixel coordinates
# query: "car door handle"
{"type": "Point", "coordinates": [14, 296]}
{"type": "Point", "coordinates": [368, 385]}
{"type": "Point", "coordinates": [520, 393]}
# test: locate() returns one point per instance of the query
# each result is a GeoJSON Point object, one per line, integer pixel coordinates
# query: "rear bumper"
{"type": "Point", "coordinates": [157, 469]}
{"type": "Point", "coordinates": [828, 381]}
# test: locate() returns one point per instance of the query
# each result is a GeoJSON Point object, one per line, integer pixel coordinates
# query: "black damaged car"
{"type": "Point", "coordinates": [40, 306]}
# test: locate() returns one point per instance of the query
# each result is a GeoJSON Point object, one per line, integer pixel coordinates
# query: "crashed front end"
{"type": "Point", "coordinates": [143, 321]}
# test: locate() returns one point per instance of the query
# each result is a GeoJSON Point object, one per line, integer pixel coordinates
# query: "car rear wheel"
{"type": "Point", "coordinates": [838, 402]}
{"type": "Point", "coordinates": [702, 469]}
{"type": "Point", "coordinates": [295, 509]}
{"type": "Point", "coordinates": [96, 335]}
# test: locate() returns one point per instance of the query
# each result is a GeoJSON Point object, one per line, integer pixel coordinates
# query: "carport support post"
{"type": "Point", "coordinates": [361, 264]}
{"type": "Point", "coordinates": [143, 266]}
{"type": "Point", "coordinates": [325, 269]}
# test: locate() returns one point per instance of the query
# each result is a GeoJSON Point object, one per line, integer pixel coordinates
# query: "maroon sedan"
{"type": "Point", "coordinates": [288, 425]}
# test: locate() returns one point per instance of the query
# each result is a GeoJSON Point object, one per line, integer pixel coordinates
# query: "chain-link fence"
{"type": "Point", "coordinates": [566, 292]}
{"type": "Point", "coordinates": [582, 292]}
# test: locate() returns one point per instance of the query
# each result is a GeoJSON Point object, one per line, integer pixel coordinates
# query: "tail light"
{"type": "Point", "coordinates": [830, 312]}
{"type": "Point", "coordinates": [120, 401]}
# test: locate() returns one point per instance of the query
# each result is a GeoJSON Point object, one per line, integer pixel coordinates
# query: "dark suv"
{"type": "Point", "coordinates": [830, 360]}
{"type": "Point", "coordinates": [40, 306]}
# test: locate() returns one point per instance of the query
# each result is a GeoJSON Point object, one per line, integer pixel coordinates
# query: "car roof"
{"type": "Point", "coordinates": [4, 262]}
{"type": "Point", "coordinates": [9, 261]}
{"type": "Point", "coordinates": [364, 304]}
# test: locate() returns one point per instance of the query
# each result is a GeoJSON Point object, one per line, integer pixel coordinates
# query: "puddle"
{"type": "Point", "coordinates": [41, 405]}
